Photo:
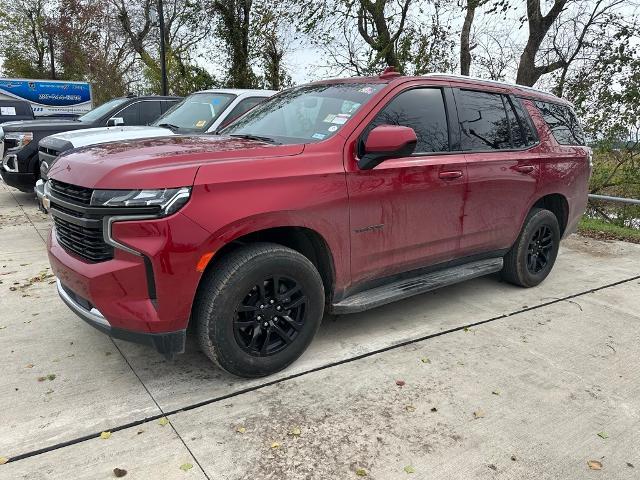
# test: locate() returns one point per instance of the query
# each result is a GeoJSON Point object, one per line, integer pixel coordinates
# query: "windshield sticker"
{"type": "Point", "coordinates": [340, 120]}
{"type": "Point", "coordinates": [367, 90]}
{"type": "Point", "coordinates": [329, 118]}
{"type": "Point", "coordinates": [318, 136]}
{"type": "Point", "coordinates": [200, 123]}
{"type": "Point", "coordinates": [333, 128]}
{"type": "Point", "coordinates": [215, 101]}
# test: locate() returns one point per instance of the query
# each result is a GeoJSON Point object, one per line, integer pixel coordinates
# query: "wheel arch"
{"type": "Point", "coordinates": [304, 240]}
{"type": "Point", "coordinates": [557, 204]}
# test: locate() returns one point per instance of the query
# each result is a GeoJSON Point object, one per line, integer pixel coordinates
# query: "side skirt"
{"type": "Point", "coordinates": [408, 287]}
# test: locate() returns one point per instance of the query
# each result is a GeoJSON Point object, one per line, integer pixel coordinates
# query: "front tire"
{"type": "Point", "coordinates": [258, 309]}
{"type": "Point", "coordinates": [533, 255]}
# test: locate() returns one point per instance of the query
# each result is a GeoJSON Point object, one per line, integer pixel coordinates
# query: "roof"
{"type": "Point", "coordinates": [520, 90]}
{"type": "Point", "coordinates": [239, 91]}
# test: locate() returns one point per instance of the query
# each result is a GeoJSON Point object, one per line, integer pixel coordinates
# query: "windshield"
{"type": "Point", "coordinates": [195, 113]}
{"type": "Point", "coordinates": [98, 112]}
{"type": "Point", "coordinates": [306, 114]}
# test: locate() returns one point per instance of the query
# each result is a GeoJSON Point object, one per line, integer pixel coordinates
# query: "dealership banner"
{"type": "Point", "coordinates": [49, 96]}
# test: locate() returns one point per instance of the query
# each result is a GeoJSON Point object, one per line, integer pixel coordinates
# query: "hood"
{"type": "Point", "coordinates": [93, 136]}
{"type": "Point", "coordinates": [44, 124]}
{"type": "Point", "coordinates": [159, 162]}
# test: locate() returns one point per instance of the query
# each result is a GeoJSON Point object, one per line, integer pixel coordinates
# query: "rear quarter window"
{"type": "Point", "coordinates": [562, 122]}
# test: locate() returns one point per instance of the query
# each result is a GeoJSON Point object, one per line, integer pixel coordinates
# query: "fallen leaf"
{"type": "Point", "coordinates": [3, 460]}
{"type": "Point", "coordinates": [630, 465]}
{"type": "Point", "coordinates": [119, 472]}
{"type": "Point", "coordinates": [2, 327]}
{"type": "Point", "coordinates": [496, 392]}
{"type": "Point", "coordinates": [186, 466]}
{"type": "Point", "coordinates": [410, 408]}
{"type": "Point", "coordinates": [105, 435]}
{"type": "Point", "coordinates": [295, 431]}
{"type": "Point", "coordinates": [275, 445]}
{"type": "Point", "coordinates": [140, 432]}
{"type": "Point", "coordinates": [492, 466]}
{"type": "Point", "coordinates": [603, 435]}
{"type": "Point", "coordinates": [361, 472]}
{"type": "Point", "coordinates": [466, 329]}
{"type": "Point", "coordinates": [513, 457]}
{"type": "Point", "coordinates": [594, 465]}
{"type": "Point", "coordinates": [409, 469]}
{"type": "Point", "coordinates": [42, 379]}
{"type": "Point", "coordinates": [434, 409]}
{"type": "Point", "coordinates": [29, 365]}
{"type": "Point", "coordinates": [425, 360]}
{"type": "Point", "coordinates": [51, 376]}
{"type": "Point", "coordinates": [163, 421]}
{"type": "Point", "coordinates": [241, 429]}
{"type": "Point", "coordinates": [478, 414]}
{"type": "Point", "coordinates": [400, 383]}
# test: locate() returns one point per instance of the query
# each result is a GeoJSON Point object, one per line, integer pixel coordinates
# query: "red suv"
{"type": "Point", "coordinates": [336, 196]}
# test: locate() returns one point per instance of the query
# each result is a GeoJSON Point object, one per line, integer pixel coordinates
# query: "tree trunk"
{"type": "Point", "coordinates": [465, 48]}
{"type": "Point", "coordinates": [539, 25]}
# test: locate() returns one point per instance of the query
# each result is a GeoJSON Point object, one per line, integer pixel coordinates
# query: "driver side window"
{"type": "Point", "coordinates": [423, 110]}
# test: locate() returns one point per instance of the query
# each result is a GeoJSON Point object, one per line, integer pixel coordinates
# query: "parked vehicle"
{"type": "Point", "coordinates": [201, 112]}
{"type": "Point", "coordinates": [15, 110]}
{"type": "Point", "coordinates": [336, 196]}
{"type": "Point", "coordinates": [49, 97]}
{"type": "Point", "coordinates": [19, 140]}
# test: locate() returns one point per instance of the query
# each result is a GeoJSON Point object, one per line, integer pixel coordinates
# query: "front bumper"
{"type": "Point", "coordinates": [23, 181]}
{"type": "Point", "coordinates": [150, 291]}
{"type": "Point", "coordinates": [168, 344]}
{"type": "Point", "coordinates": [39, 190]}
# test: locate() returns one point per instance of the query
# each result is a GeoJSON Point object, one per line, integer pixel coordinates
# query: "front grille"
{"type": "Point", "coordinates": [78, 231]}
{"type": "Point", "coordinates": [86, 242]}
{"type": "Point", "coordinates": [71, 193]}
{"type": "Point", "coordinates": [49, 151]}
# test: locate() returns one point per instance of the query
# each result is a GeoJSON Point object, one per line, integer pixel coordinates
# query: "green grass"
{"type": "Point", "coordinates": [601, 229]}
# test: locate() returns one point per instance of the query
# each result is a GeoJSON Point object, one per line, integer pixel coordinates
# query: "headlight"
{"type": "Point", "coordinates": [17, 140]}
{"type": "Point", "coordinates": [169, 200]}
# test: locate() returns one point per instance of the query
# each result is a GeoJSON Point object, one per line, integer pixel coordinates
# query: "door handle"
{"type": "Point", "coordinates": [524, 168]}
{"type": "Point", "coordinates": [450, 175]}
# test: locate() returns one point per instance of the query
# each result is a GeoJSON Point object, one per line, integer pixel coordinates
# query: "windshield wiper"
{"type": "Point", "coordinates": [255, 137]}
{"type": "Point", "coordinates": [170, 126]}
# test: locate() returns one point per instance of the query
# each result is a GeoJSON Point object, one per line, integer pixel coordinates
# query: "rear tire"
{"type": "Point", "coordinates": [534, 253]}
{"type": "Point", "coordinates": [258, 309]}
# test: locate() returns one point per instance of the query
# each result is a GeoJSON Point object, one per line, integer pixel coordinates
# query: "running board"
{"type": "Point", "coordinates": [409, 287]}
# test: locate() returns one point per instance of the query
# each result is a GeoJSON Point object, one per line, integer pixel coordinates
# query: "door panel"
{"type": "Point", "coordinates": [404, 215]}
{"type": "Point", "coordinates": [503, 175]}
{"type": "Point", "coordinates": [501, 187]}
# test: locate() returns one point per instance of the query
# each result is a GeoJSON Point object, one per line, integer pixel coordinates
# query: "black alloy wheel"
{"type": "Point", "coordinates": [270, 316]}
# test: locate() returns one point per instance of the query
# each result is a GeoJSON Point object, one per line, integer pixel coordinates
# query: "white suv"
{"type": "Point", "coordinates": [201, 112]}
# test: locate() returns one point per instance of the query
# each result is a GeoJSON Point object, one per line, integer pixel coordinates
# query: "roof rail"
{"type": "Point", "coordinates": [496, 82]}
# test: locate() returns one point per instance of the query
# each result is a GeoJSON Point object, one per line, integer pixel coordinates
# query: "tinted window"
{"type": "Point", "coordinates": [525, 122]}
{"type": "Point", "coordinates": [483, 121]}
{"type": "Point", "coordinates": [423, 110]}
{"type": "Point", "coordinates": [149, 111]}
{"type": "Point", "coordinates": [562, 122]}
{"type": "Point", "coordinates": [131, 114]}
{"type": "Point", "coordinates": [241, 108]}
{"type": "Point", "coordinates": [517, 135]}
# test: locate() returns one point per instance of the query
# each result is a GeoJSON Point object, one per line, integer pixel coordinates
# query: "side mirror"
{"type": "Point", "coordinates": [115, 121]}
{"type": "Point", "coordinates": [385, 142]}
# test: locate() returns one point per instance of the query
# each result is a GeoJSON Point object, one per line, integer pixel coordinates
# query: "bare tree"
{"type": "Point", "coordinates": [528, 71]}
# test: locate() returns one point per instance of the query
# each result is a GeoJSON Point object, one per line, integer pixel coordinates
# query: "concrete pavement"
{"type": "Point", "coordinates": [545, 370]}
